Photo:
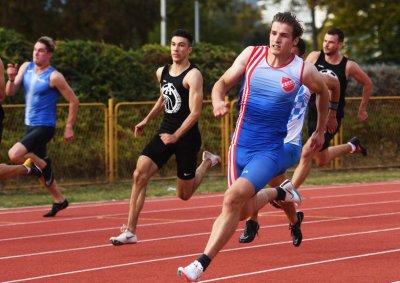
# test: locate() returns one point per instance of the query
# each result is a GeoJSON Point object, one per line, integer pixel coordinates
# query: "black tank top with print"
{"type": "Point", "coordinates": [338, 71]}
{"type": "Point", "coordinates": [176, 101]}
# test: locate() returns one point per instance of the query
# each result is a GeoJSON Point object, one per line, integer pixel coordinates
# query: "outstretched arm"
{"type": "Point", "coordinates": [314, 81]}
{"type": "Point", "coordinates": [58, 81]}
{"type": "Point", "coordinates": [228, 79]}
{"type": "Point", "coordinates": [353, 70]}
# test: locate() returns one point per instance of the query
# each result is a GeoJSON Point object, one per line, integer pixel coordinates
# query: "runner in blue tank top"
{"type": "Point", "coordinates": [273, 76]}
{"type": "Point", "coordinates": [42, 86]}
{"type": "Point", "coordinates": [291, 156]}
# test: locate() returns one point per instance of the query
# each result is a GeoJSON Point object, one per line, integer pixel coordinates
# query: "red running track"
{"type": "Point", "coordinates": [351, 234]}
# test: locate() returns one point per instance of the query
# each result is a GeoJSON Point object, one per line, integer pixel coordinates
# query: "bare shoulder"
{"type": "Point", "coordinates": [159, 72]}
{"type": "Point", "coordinates": [313, 56]}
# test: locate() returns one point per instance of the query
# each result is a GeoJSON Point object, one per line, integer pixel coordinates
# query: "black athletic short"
{"type": "Point", "coordinates": [185, 150]}
{"type": "Point", "coordinates": [312, 125]}
{"type": "Point", "coordinates": [36, 139]}
{"type": "Point", "coordinates": [1, 121]}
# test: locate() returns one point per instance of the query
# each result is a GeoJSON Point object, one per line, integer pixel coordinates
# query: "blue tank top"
{"type": "Point", "coordinates": [40, 98]}
{"type": "Point", "coordinates": [267, 100]}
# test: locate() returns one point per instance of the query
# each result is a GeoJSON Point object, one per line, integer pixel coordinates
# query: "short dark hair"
{"type": "Point", "coordinates": [290, 19]}
{"type": "Point", "coordinates": [301, 45]}
{"type": "Point", "coordinates": [338, 32]}
{"type": "Point", "coordinates": [183, 33]}
{"type": "Point", "coordinates": [49, 42]}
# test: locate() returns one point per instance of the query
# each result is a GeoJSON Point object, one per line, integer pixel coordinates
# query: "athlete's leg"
{"type": "Point", "coordinates": [304, 167]}
{"type": "Point", "coordinates": [186, 188]}
{"type": "Point", "coordinates": [10, 171]}
{"type": "Point", "coordinates": [145, 169]}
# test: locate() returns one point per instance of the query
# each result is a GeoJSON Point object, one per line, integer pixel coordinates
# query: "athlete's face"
{"type": "Point", "coordinates": [281, 39]}
{"type": "Point", "coordinates": [331, 44]}
{"type": "Point", "coordinates": [180, 49]}
{"type": "Point", "coordinates": [41, 57]}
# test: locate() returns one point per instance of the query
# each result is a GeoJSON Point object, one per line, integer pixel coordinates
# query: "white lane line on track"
{"type": "Point", "coordinates": [175, 209]}
{"type": "Point", "coordinates": [30, 209]}
{"type": "Point", "coordinates": [302, 265]}
{"type": "Point", "coordinates": [202, 234]}
{"type": "Point", "coordinates": [80, 205]}
{"type": "Point", "coordinates": [225, 251]}
{"type": "Point", "coordinates": [107, 215]}
{"type": "Point", "coordinates": [186, 221]}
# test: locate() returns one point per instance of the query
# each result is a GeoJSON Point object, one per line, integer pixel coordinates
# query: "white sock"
{"type": "Point", "coordinates": [353, 147]}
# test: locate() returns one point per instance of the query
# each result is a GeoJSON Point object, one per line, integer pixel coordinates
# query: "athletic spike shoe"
{"type": "Point", "coordinates": [32, 168]}
{"type": "Point", "coordinates": [126, 237]}
{"type": "Point", "coordinates": [359, 146]}
{"type": "Point", "coordinates": [47, 173]}
{"type": "Point", "coordinates": [56, 208]}
{"type": "Point", "coordinates": [215, 159]}
{"type": "Point", "coordinates": [275, 204]}
{"type": "Point", "coordinates": [291, 193]}
{"type": "Point", "coordinates": [295, 229]}
{"type": "Point", "coordinates": [250, 232]}
{"type": "Point", "coordinates": [192, 272]}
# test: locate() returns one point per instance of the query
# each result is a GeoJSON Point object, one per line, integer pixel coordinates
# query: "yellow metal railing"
{"type": "Point", "coordinates": [105, 149]}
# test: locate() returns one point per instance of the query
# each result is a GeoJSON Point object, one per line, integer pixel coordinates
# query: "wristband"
{"type": "Point", "coordinates": [333, 105]}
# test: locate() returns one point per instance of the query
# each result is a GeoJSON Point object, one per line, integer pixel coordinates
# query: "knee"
{"type": "Point", "coordinates": [140, 177]}
{"type": "Point", "coordinates": [183, 196]}
{"type": "Point", "coordinates": [232, 202]}
{"type": "Point", "coordinates": [13, 155]}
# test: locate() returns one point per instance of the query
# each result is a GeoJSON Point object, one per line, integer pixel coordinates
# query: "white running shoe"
{"type": "Point", "coordinates": [291, 193]}
{"type": "Point", "coordinates": [215, 159]}
{"type": "Point", "coordinates": [126, 237]}
{"type": "Point", "coordinates": [192, 272]}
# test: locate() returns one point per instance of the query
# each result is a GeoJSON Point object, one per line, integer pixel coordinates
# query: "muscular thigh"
{"type": "Point", "coordinates": [257, 167]}
{"type": "Point", "coordinates": [157, 151]}
{"type": "Point", "coordinates": [186, 155]}
{"type": "Point", "coordinates": [36, 139]}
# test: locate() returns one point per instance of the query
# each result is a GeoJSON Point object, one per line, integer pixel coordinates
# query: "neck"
{"type": "Point", "coordinates": [278, 61]}
{"type": "Point", "coordinates": [334, 58]}
{"type": "Point", "coordinates": [41, 68]}
{"type": "Point", "coordinates": [178, 67]}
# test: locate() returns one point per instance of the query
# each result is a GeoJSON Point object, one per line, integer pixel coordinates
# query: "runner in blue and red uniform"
{"type": "Point", "coordinates": [273, 76]}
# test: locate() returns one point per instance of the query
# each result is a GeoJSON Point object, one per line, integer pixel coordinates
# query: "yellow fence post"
{"type": "Point", "coordinates": [111, 161]}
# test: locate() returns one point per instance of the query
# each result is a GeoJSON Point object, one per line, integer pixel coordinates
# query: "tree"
{"type": "Point", "coordinates": [126, 23]}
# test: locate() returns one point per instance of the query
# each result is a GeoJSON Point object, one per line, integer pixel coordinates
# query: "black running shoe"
{"type": "Point", "coordinates": [47, 173]}
{"type": "Point", "coordinates": [295, 230]}
{"type": "Point", "coordinates": [249, 232]}
{"type": "Point", "coordinates": [56, 208]}
{"type": "Point", "coordinates": [359, 146]}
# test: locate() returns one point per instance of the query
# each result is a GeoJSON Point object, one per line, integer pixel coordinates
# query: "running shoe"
{"type": "Point", "coordinates": [295, 229]}
{"type": "Point", "coordinates": [250, 232]}
{"type": "Point", "coordinates": [192, 272]}
{"type": "Point", "coordinates": [215, 159]}
{"type": "Point", "coordinates": [126, 237]}
{"type": "Point", "coordinates": [56, 208]}
{"type": "Point", "coordinates": [291, 193]}
{"type": "Point", "coordinates": [359, 146]}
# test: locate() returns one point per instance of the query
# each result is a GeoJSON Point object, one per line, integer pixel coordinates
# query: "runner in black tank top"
{"type": "Point", "coordinates": [339, 72]}
{"type": "Point", "coordinates": [181, 101]}
{"type": "Point", "coordinates": [176, 101]}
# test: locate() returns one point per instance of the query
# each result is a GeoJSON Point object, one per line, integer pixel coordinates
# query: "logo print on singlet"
{"type": "Point", "coordinates": [172, 99]}
{"type": "Point", "coordinates": [329, 72]}
{"type": "Point", "coordinates": [287, 84]}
